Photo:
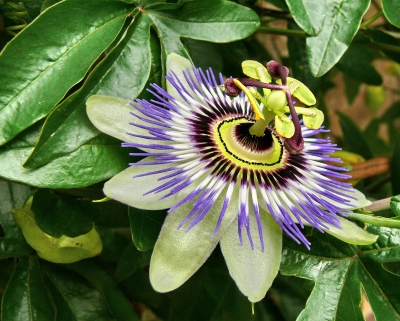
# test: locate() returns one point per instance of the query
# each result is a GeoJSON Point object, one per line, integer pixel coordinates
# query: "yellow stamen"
{"type": "Point", "coordinates": [253, 102]}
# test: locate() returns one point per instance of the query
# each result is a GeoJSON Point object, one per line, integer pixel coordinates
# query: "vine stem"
{"type": "Point", "coordinates": [367, 22]}
{"type": "Point", "coordinates": [282, 32]}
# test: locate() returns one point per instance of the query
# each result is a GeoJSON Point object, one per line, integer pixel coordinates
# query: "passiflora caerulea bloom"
{"type": "Point", "coordinates": [229, 172]}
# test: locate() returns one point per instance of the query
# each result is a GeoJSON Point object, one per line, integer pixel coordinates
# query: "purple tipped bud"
{"type": "Point", "coordinates": [295, 144]}
{"type": "Point", "coordinates": [274, 69]}
{"type": "Point", "coordinates": [231, 89]}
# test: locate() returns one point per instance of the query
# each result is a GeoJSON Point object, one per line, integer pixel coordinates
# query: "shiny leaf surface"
{"type": "Point", "coordinates": [59, 215]}
{"type": "Point", "coordinates": [26, 298]}
{"type": "Point", "coordinates": [33, 80]}
{"type": "Point", "coordinates": [12, 196]}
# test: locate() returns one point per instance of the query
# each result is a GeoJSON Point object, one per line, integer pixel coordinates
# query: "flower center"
{"type": "Point", "coordinates": [235, 142]}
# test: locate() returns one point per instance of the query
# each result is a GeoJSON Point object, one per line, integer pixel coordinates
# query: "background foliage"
{"type": "Point", "coordinates": [55, 54]}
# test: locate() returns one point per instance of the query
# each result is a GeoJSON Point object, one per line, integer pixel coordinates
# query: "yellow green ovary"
{"type": "Point", "coordinates": [241, 154]}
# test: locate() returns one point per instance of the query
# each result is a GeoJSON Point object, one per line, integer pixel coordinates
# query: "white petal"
{"type": "Point", "coordinates": [253, 270]}
{"type": "Point", "coordinates": [178, 254]}
{"type": "Point", "coordinates": [351, 233]}
{"type": "Point", "coordinates": [126, 189]}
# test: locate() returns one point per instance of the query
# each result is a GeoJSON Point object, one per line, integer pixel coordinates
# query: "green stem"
{"type": "Point", "coordinates": [379, 205]}
{"type": "Point", "coordinates": [375, 220]}
{"type": "Point", "coordinates": [282, 32]}
{"type": "Point", "coordinates": [384, 46]}
{"type": "Point", "coordinates": [367, 22]}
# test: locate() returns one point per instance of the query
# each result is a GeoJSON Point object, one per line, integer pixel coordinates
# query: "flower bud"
{"type": "Point", "coordinates": [274, 69]}
{"type": "Point", "coordinates": [231, 89]}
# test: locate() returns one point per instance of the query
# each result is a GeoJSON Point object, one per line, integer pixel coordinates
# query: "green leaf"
{"type": "Point", "coordinates": [281, 4]}
{"type": "Point", "coordinates": [145, 227]}
{"type": "Point", "coordinates": [56, 56]}
{"type": "Point", "coordinates": [391, 9]}
{"type": "Point", "coordinates": [131, 260]}
{"type": "Point", "coordinates": [211, 20]}
{"type": "Point", "coordinates": [97, 160]}
{"type": "Point", "coordinates": [357, 63]}
{"type": "Point", "coordinates": [60, 215]}
{"type": "Point", "coordinates": [342, 20]}
{"type": "Point", "coordinates": [395, 204]}
{"type": "Point", "coordinates": [308, 14]}
{"type": "Point", "coordinates": [26, 297]}
{"type": "Point", "coordinates": [352, 87]}
{"type": "Point", "coordinates": [343, 271]}
{"type": "Point", "coordinates": [299, 61]}
{"type": "Point", "coordinates": [114, 243]}
{"type": "Point", "coordinates": [390, 117]}
{"type": "Point", "coordinates": [123, 73]}
{"type": "Point", "coordinates": [74, 297]}
{"type": "Point", "coordinates": [376, 144]}
{"type": "Point", "coordinates": [118, 305]}
{"type": "Point", "coordinates": [13, 243]}
{"type": "Point", "coordinates": [354, 139]}
{"type": "Point", "coordinates": [135, 62]}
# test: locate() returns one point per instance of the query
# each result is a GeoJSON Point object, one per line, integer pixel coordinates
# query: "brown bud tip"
{"type": "Point", "coordinates": [295, 144]}
{"type": "Point", "coordinates": [274, 69]}
{"type": "Point", "coordinates": [231, 89]}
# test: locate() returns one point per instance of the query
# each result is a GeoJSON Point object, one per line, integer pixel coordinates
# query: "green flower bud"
{"type": "Point", "coordinates": [277, 101]}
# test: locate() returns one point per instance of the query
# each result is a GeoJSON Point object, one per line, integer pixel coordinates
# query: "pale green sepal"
{"type": "Point", "coordinates": [57, 250]}
{"type": "Point", "coordinates": [111, 116]}
{"type": "Point", "coordinates": [300, 91]}
{"type": "Point", "coordinates": [178, 254]}
{"type": "Point", "coordinates": [178, 64]}
{"type": "Point", "coordinates": [315, 121]}
{"type": "Point", "coordinates": [253, 270]}
{"type": "Point", "coordinates": [284, 126]}
{"type": "Point", "coordinates": [351, 233]}
{"type": "Point", "coordinates": [130, 190]}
